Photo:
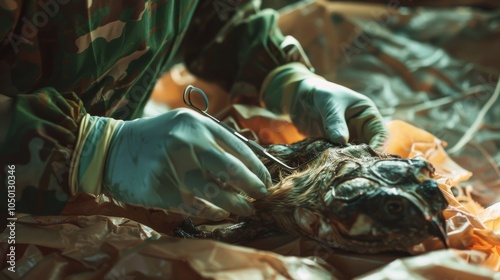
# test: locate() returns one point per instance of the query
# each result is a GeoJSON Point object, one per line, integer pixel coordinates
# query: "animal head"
{"type": "Point", "coordinates": [356, 199]}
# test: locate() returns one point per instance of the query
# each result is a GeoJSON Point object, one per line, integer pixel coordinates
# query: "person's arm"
{"type": "Point", "coordinates": [52, 149]}
{"type": "Point", "coordinates": [39, 133]}
{"type": "Point", "coordinates": [242, 49]}
{"type": "Point", "coordinates": [236, 45]}
{"type": "Point", "coordinates": [167, 162]}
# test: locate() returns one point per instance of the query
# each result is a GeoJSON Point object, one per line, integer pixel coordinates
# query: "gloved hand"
{"type": "Point", "coordinates": [173, 160]}
{"type": "Point", "coordinates": [323, 109]}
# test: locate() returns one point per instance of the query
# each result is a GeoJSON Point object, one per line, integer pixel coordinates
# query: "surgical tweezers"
{"type": "Point", "coordinates": [256, 148]}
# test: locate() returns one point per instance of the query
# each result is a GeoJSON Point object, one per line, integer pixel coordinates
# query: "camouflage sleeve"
{"type": "Point", "coordinates": [62, 59]}
{"type": "Point", "coordinates": [39, 141]}
{"type": "Point", "coordinates": [38, 130]}
{"type": "Point", "coordinates": [232, 43]}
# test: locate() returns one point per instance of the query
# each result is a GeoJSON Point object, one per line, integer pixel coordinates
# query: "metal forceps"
{"type": "Point", "coordinates": [256, 148]}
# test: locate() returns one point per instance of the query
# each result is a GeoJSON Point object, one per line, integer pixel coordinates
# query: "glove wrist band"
{"type": "Point", "coordinates": [89, 157]}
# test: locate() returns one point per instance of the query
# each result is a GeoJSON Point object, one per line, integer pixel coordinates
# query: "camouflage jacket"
{"type": "Point", "coordinates": [61, 59]}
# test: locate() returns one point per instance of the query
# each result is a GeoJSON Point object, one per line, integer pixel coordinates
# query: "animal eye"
{"type": "Point", "coordinates": [394, 207]}
{"type": "Point", "coordinates": [388, 208]}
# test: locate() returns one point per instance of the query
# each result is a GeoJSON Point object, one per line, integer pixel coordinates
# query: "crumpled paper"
{"type": "Point", "coordinates": [434, 68]}
{"type": "Point", "coordinates": [433, 266]}
{"type": "Point", "coordinates": [102, 247]}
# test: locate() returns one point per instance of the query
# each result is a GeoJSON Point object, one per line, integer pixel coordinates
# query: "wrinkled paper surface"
{"type": "Point", "coordinates": [432, 68]}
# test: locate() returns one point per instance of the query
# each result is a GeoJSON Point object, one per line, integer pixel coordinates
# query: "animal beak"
{"type": "Point", "coordinates": [438, 229]}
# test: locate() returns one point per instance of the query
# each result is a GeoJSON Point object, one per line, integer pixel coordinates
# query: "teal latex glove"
{"type": "Point", "coordinates": [179, 161]}
{"type": "Point", "coordinates": [323, 109]}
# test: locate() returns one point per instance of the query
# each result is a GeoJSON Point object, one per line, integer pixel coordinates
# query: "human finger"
{"type": "Point", "coordinates": [234, 146]}
{"type": "Point", "coordinates": [334, 122]}
{"type": "Point", "coordinates": [215, 193]}
{"type": "Point", "coordinates": [368, 126]}
{"type": "Point", "coordinates": [197, 207]}
{"type": "Point", "coordinates": [231, 171]}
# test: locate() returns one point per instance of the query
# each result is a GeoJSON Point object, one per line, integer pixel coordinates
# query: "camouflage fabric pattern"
{"type": "Point", "coordinates": [60, 59]}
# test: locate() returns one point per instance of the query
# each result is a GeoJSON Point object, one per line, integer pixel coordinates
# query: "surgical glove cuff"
{"type": "Point", "coordinates": [89, 157]}
{"type": "Point", "coordinates": [282, 84]}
